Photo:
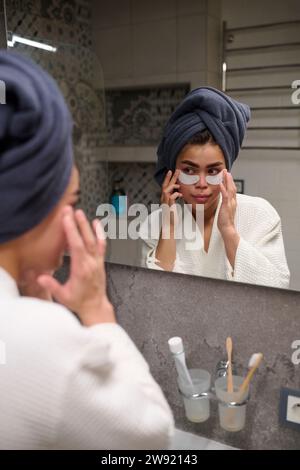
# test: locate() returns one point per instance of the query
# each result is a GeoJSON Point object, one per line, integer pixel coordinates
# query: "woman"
{"type": "Point", "coordinates": [239, 236]}
{"type": "Point", "coordinates": [67, 384]}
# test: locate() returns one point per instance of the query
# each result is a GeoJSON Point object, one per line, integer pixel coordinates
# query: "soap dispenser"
{"type": "Point", "coordinates": [118, 197]}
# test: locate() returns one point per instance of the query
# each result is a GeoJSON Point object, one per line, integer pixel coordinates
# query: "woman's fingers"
{"type": "Point", "coordinates": [231, 187]}
{"type": "Point", "coordinates": [228, 187]}
{"type": "Point", "coordinates": [224, 182]}
{"type": "Point", "coordinates": [86, 232]}
{"type": "Point", "coordinates": [80, 234]}
{"type": "Point", "coordinates": [171, 187]}
{"type": "Point", "coordinates": [175, 196]}
{"type": "Point", "coordinates": [175, 176]}
{"type": "Point", "coordinates": [55, 289]}
{"type": "Point", "coordinates": [100, 235]}
{"type": "Point", "coordinates": [224, 193]}
{"type": "Point", "coordinates": [167, 179]}
{"type": "Point", "coordinates": [228, 181]}
{"type": "Point", "coordinates": [74, 240]}
{"type": "Point", "coordinates": [169, 193]}
{"type": "Point", "coordinates": [173, 182]}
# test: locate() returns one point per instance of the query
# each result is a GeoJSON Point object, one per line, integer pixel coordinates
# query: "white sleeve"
{"type": "Point", "coordinates": [262, 259]}
{"type": "Point", "coordinates": [149, 254]}
{"type": "Point", "coordinates": [111, 401]}
{"type": "Point", "coordinates": [149, 244]}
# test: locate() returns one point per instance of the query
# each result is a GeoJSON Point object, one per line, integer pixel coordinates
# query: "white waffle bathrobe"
{"type": "Point", "coordinates": [260, 256]}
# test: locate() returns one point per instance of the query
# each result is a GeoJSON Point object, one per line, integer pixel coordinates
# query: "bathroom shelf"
{"type": "Point", "coordinates": [274, 108]}
{"type": "Point", "coordinates": [266, 46]}
{"type": "Point", "coordinates": [250, 147]}
{"type": "Point", "coordinates": [262, 67]}
{"type": "Point", "coordinates": [263, 26]}
{"type": "Point", "coordinates": [261, 88]}
{"type": "Point", "coordinates": [273, 128]}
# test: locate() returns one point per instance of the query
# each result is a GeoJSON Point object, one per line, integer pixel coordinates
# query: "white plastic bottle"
{"type": "Point", "coordinates": [177, 350]}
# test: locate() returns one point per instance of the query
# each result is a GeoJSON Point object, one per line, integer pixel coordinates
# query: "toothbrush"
{"type": "Point", "coordinates": [254, 362]}
{"type": "Point", "coordinates": [177, 350]}
{"type": "Point", "coordinates": [229, 373]}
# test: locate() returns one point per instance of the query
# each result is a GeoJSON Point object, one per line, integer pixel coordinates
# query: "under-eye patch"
{"type": "Point", "coordinates": [215, 179]}
{"type": "Point", "coordinates": [188, 179]}
{"type": "Point", "coordinates": [193, 179]}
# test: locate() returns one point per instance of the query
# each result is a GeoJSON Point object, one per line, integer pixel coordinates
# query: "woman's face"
{"type": "Point", "coordinates": [200, 160]}
{"type": "Point", "coordinates": [43, 247]}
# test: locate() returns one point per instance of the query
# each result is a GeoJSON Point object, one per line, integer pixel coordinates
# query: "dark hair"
{"type": "Point", "coordinates": [202, 138]}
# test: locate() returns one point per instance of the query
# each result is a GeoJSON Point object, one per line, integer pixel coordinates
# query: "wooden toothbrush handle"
{"type": "Point", "coordinates": [249, 376]}
{"type": "Point", "coordinates": [229, 378]}
{"type": "Point", "coordinates": [246, 382]}
{"type": "Point", "coordinates": [229, 372]}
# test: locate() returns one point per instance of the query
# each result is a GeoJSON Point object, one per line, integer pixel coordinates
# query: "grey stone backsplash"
{"type": "Point", "coordinates": [153, 306]}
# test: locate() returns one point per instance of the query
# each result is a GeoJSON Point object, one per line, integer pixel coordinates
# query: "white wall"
{"type": "Point", "coordinates": [142, 42]}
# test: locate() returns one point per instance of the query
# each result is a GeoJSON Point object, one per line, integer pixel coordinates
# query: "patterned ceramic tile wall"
{"type": "Point", "coordinates": [136, 116]}
{"type": "Point", "coordinates": [66, 25]}
{"type": "Point", "coordinates": [138, 182]}
{"type": "Point", "coordinates": [65, 21]}
{"type": "Point", "coordinates": [93, 178]}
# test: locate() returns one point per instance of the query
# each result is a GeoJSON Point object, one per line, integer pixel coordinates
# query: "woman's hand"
{"type": "Point", "coordinates": [228, 206]}
{"type": "Point", "coordinates": [29, 287]}
{"type": "Point", "coordinates": [227, 212]}
{"type": "Point", "coordinates": [85, 291]}
{"type": "Point", "coordinates": [169, 196]}
{"type": "Point", "coordinates": [166, 247]}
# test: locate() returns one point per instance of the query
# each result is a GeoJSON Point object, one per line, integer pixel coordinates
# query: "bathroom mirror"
{"type": "Point", "coordinates": [251, 50]}
{"type": "Point", "coordinates": [146, 56]}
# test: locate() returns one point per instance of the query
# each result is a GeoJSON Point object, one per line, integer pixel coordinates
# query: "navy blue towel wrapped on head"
{"type": "Point", "coordinates": [36, 155]}
{"type": "Point", "coordinates": [203, 108]}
